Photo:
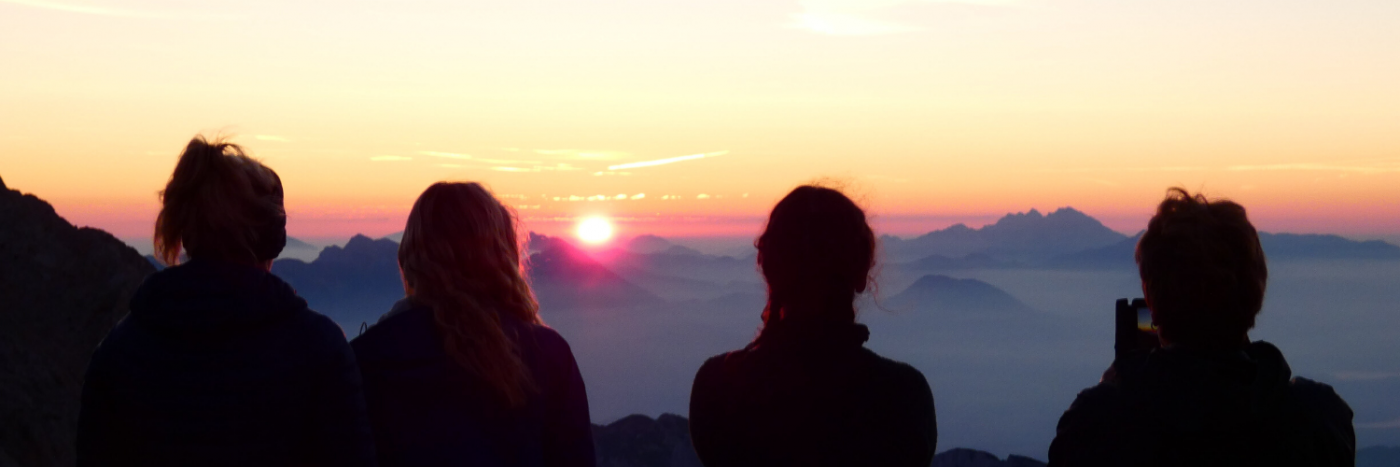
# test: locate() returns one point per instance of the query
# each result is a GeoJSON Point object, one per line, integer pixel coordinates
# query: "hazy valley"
{"type": "Point", "coordinates": [1008, 321]}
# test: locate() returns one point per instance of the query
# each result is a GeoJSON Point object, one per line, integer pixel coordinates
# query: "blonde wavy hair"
{"type": "Point", "coordinates": [461, 257]}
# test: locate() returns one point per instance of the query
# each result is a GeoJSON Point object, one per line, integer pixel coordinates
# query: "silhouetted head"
{"type": "Point", "coordinates": [816, 255]}
{"type": "Point", "coordinates": [460, 256]}
{"type": "Point", "coordinates": [220, 204]}
{"type": "Point", "coordinates": [1202, 271]}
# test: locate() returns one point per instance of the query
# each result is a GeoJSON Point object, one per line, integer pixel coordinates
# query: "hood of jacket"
{"type": "Point", "coordinates": [209, 299]}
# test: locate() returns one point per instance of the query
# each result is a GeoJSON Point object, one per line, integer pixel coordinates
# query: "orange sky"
{"type": "Point", "coordinates": [932, 111]}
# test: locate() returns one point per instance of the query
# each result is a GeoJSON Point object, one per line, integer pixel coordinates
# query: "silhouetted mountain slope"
{"type": "Point", "coordinates": [946, 295]}
{"type": "Point", "coordinates": [1117, 255]}
{"type": "Point", "coordinates": [1313, 246]}
{"type": "Point", "coordinates": [650, 244]}
{"type": "Point", "coordinates": [352, 284]}
{"type": "Point", "coordinates": [1378, 456]}
{"type": "Point", "coordinates": [972, 261]}
{"type": "Point", "coordinates": [564, 277]}
{"type": "Point", "coordinates": [963, 457]}
{"type": "Point", "coordinates": [1277, 246]}
{"type": "Point", "coordinates": [640, 441]}
{"type": "Point", "coordinates": [1026, 236]}
{"type": "Point", "coordinates": [293, 243]}
{"type": "Point", "coordinates": [63, 289]}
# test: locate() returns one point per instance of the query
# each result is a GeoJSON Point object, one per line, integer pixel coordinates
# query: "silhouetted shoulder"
{"type": "Point", "coordinates": [1320, 398]}
{"type": "Point", "coordinates": [548, 340]}
{"type": "Point", "coordinates": [898, 371]}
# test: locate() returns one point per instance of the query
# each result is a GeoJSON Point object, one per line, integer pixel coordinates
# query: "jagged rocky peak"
{"type": "Point", "coordinates": [64, 288]}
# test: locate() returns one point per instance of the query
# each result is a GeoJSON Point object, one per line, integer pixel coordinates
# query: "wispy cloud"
{"type": "Point", "coordinates": [669, 160]}
{"type": "Point", "coordinates": [1362, 169]}
{"type": "Point", "coordinates": [273, 138]}
{"type": "Point", "coordinates": [469, 157]}
{"type": "Point", "coordinates": [1101, 182]}
{"type": "Point", "coordinates": [1386, 424]}
{"type": "Point", "coordinates": [1365, 375]}
{"type": "Point", "coordinates": [863, 17]}
{"type": "Point", "coordinates": [1167, 168]}
{"type": "Point", "coordinates": [390, 158]}
{"type": "Point", "coordinates": [588, 154]}
{"type": "Point", "coordinates": [112, 12]}
{"type": "Point", "coordinates": [508, 161]}
{"type": "Point", "coordinates": [446, 155]}
{"type": "Point", "coordinates": [887, 178]}
{"type": "Point", "coordinates": [1375, 166]}
{"type": "Point", "coordinates": [561, 167]}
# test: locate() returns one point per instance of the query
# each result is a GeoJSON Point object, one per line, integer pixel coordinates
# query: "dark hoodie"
{"type": "Point", "coordinates": [1178, 407]}
{"type": "Point", "coordinates": [428, 410]}
{"type": "Point", "coordinates": [222, 364]}
{"type": "Point", "coordinates": [811, 397]}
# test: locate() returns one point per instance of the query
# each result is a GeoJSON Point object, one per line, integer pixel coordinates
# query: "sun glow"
{"type": "Point", "coordinates": [595, 230]}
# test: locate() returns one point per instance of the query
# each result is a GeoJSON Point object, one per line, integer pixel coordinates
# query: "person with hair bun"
{"type": "Point", "coordinates": [807, 392]}
{"type": "Point", "coordinates": [462, 371]}
{"type": "Point", "coordinates": [219, 361]}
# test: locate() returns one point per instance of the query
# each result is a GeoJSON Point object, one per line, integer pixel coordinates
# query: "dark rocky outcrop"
{"type": "Point", "coordinates": [962, 457]}
{"type": "Point", "coordinates": [62, 288]}
{"type": "Point", "coordinates": [640, 441]}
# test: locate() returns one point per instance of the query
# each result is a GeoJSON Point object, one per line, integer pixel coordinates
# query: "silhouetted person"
{"type": "Point", "coordinates": [1208, 396]}
{"type": "Point", "coordinates": [806, 392]}
{"type": "Point", "coordinates": [462, 371]}
{"type": "Point", "coordinates": [219, 362]}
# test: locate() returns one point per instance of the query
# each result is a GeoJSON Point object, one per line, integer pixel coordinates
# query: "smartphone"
{"type": "Point", "coordinates": [1133, 327]}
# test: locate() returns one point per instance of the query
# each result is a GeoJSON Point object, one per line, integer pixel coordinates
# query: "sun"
{"type": "Point", "coordinates": [595, 230]}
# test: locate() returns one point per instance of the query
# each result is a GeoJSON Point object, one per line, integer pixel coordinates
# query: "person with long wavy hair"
{"type": "Point", "coordinates": [463, 371]}
{"type": "Point", "coordinates": [219, 361]}
{"type": "Point", "coordinates": [806, 392]}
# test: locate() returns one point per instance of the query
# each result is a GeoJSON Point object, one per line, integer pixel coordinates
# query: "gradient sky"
{"type": "Point", "coordinates": [932, 111]}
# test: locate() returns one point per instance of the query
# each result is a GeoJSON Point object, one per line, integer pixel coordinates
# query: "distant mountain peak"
{"type": "Point", "coordinates": [359, 238]}
{"type": "Point", "coordinates": [647, 243]}
{"type": "Point", "coordinates": [1026, 237]}
{"type": "Point", "coordinates": [943, 293]}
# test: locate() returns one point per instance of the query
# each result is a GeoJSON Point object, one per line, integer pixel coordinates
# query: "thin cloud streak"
{"type": "Point", "coordinates": [852, 17]}
{"type": "Point", "coordinates": [1316, 167]}
{"type": "Point", "coordinates": [447, 155]}
{"type": "Point", "coordinates": [1178, 168]}
{"type": "Point", "coordinates": [390, 158]}
{"type": "Point", "coordinates": [1390, 424]}
{"type": "Point", "coordinates": [112, 12]}
{"type": "Point", "coordinates": [584, 153]}
{"type": "Point", "coordinates": [670, 160]}
{"type": "Point", "coordinates": [469, 157]}
{"type": "Point", "coordinates": [1365, 375]}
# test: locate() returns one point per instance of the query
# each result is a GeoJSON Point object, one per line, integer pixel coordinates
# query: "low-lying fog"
{"type": "Point", "coordinates": [1002, 379]}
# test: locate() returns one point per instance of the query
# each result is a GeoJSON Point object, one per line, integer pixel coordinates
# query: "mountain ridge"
{"type": "Point", "coordinates": [64, 287]}
{"type": "Point", "coordinates": [1027, 236]}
